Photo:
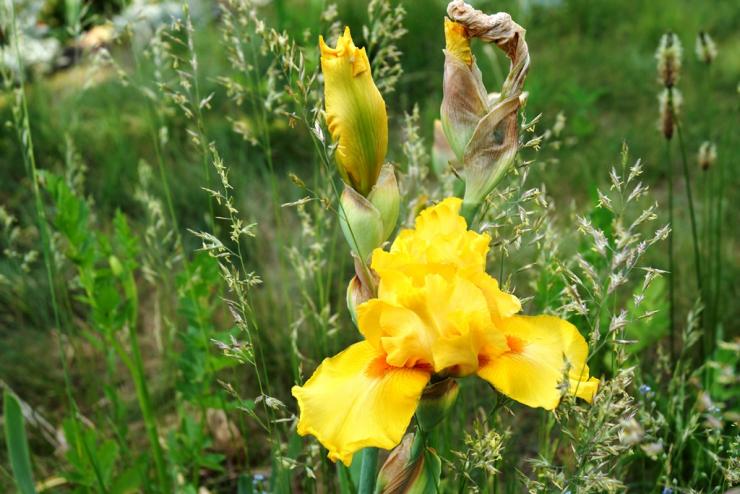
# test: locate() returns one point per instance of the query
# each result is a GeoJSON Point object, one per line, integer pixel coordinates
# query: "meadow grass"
{"type": "Point", "coordinates": [172, 263]}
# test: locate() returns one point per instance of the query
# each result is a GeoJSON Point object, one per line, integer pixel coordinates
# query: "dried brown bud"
{"type": "Point", "coordinates": [410, 468]}
{"type": "Point", "coordinates": [442, 153]}
{"type": "Point", "coordinates": [482, 133]}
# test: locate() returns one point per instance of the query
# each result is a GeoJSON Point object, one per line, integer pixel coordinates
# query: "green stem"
{"type": "Point", "coordinates": [706, 250]}
{"type": "Point", "coordinates": [142, 391]}
{"type": "Point", "coordinates": [369, 471]}
{"type": "Point", "coordinates": [469, 210]}
{"type": "Point", "coordinates": [689, 196]}
{"type": "Point", "coordinates": [719, 192]}
{"type": "Point", "coordinates": [695, 237]}
{"type": "Point", "coordinates": [671, 274]}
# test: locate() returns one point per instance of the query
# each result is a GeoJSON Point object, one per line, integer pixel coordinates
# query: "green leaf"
{"type": "Point", "coordinates": [346, 486]}
{"type": "Point", "coordinates": [15, 434]}
{"type": "Point", "coordinates": [129, 481]}
{"type": "Point", "coordinates": [244, 484]}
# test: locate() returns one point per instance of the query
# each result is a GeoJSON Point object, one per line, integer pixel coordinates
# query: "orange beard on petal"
{"type": "Point", "coordinates": [516, 345]}
{"type": "Point", "coordinates": [378, 367]}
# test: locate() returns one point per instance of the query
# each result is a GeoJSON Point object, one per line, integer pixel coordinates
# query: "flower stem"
{"type": "Point", "coordinates": [694, 234]}
{"type": "Point", "coordinates": [671, 285]}
{"type": "Point", "coordinates": [692, 215]}
{"type": "Point", "coordinates": [469, 210]}
{"type": "Point", "coordinates": [136, 367]}
{"type": "Point", "coordinates": [719, 194]}
{"type": "Point", "coordinates": [368, 471]}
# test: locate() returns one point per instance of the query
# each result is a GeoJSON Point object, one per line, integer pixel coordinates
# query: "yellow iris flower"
{"type": "Point", "coordinates": [437, 312]}
{"type": "Point", "coordinates": [355, 112]}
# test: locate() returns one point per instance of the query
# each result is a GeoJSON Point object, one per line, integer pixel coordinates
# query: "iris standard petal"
{"type": "Point", "coordinates": [534, 366]}
{"type": "Point", "coordinates": [440, 239]}
{"type": "Point", "coordinates": [356, 400]}
{"type": "Point", "coordinates": [500, 304]}
{"type": "Point", "coordinates": [397, 331]}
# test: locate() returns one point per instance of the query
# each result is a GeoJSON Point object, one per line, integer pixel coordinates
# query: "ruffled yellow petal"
{"type": "Point", "coordinates": [500, 304]}
{"type": "Point", "coordinates": [460, 312]}
{"type": "Point", "coordinates": [356, 400]}
{"type": "Point", "coordinates": [457, 42]}
{"type": "Point", "coordinates": [355, 112]}
{"type": "Point", "coordinates": [440, 241]}
{"type": "Point", "coordinates": [443, 322]}
{"type": "Point", "coordinates": [398, 331]}
{"type": "Point", "coordinates": [534, 366]}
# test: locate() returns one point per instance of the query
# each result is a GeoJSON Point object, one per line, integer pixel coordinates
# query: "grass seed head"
{"type": "Point", "coordinates": [707, 155]}
{"type": "Point", "coordinates": [671, 102]}
{"type": "Point", "coordinates": [706, 49]}
{"type": "Point", "coordinates": [669, 60]}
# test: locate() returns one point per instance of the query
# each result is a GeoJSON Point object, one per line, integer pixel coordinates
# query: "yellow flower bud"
{"type": "Point", "coordinates": [355, 113]}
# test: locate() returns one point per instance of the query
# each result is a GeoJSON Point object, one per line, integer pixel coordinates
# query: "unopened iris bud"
{"type": "Point", "coordinates": [355, 113]}
{"type": "Point", "coordinates": [442, 153]}
{"type": "Point", "coordinates": [669, 60]}
{"type": "Point", "coordinates": [706, 50]}
{"type": "Point", "coordinates": [411, 468]}
{"type": "Point", "coordinates": [361, 222]}
{"type": "Point", "coordinates": [367, 222]}
{"type": "Point", "coordinates": [482, 132]}
{"type": "Point", "coordinates": [707, 155]}
{"type": "Point", "coordinates": [386, 197]}
{"type": "Point", "coordinates": [357, 293]}
{"type": "Point", "coordinates": [436, 403]}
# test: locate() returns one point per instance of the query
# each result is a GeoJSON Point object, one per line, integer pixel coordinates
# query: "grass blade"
{"type": "Point", "coordinates": [15, 435]}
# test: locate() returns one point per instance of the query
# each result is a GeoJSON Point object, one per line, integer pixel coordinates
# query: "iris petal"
{"type": "Point", "coordinates": [356, 400]}
{"type": "Point", "coordinates": [533, 368]}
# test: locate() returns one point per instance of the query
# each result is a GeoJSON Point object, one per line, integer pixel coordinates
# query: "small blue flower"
{"type": "Point", "coordinates": [645, 389]}
{"type": "Point", "coordinates": [667, 490]}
